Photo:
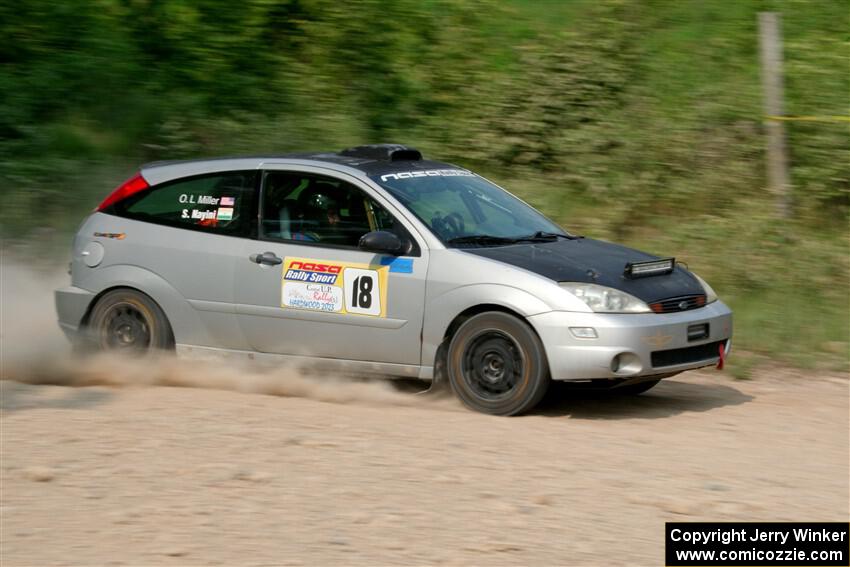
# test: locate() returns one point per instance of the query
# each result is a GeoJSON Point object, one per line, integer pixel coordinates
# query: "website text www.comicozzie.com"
{"type": "Point", "coordinates": [754, 554]}
{"type": "Point", "coordinates": [765, 543]}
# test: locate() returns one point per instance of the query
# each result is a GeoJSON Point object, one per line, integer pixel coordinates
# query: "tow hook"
{"type": "Point", "coordinates": [722, 351]}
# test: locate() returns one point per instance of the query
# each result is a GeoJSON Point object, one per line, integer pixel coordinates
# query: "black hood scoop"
{"type": "Point", "coordinates": [593, 261]}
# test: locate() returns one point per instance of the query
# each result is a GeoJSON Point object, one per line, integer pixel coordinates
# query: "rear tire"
{"type": "Point", "coordinates": [129, 322]}
{"type": "Point", "coordinates": [497, 365]}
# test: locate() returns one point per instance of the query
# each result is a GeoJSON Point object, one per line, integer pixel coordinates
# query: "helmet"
{"type": "Point", "coordinates": [320, 201]}
{"type": "Point", "coordinates": [320, 204]}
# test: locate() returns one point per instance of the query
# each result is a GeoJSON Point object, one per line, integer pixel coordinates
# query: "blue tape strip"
{"type": "Point", "coordinates": [398, 265]}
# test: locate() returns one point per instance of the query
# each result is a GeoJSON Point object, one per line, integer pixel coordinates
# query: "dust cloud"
{"type": "Point", "coordinates": [33, 350]}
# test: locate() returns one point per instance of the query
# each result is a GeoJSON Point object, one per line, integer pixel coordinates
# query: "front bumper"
{"type": "Point", "coordinates": [632, 345]}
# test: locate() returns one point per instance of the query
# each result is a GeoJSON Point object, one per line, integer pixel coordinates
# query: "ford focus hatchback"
{"type": "Point", "coordinates": [378, 261]}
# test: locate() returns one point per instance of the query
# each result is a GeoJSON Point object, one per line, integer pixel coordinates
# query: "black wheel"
{"type": "Point", "coordinates": [634, 389]}
{"type": "Point", "coordinates": [130, 322]}
{"type": "Point", "coordinates": [497, 365]}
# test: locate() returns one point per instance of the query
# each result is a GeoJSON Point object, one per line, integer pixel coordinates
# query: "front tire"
{"type": "Point", "coordinates": [497, 364]}
{"type": "Point", "coordinates": [129, 322]}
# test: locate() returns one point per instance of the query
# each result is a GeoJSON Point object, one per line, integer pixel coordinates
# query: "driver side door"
{"type": "Point", "coordinates": [305, 288]}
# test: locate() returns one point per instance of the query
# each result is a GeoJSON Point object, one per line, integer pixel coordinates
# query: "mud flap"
{"type": "Point", "coordinates": [437, 386]}
{"type": "Point", "coordinates": [439, 381]}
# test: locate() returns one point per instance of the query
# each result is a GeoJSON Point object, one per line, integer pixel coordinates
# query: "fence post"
{"type": "Point", "coordinates": [770, 39]}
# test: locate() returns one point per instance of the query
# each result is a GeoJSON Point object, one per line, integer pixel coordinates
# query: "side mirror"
{"type": "Point", "coordinates": [382, 242]}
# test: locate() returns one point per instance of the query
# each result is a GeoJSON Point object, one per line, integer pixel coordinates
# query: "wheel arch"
{"type": "Point", "coordinates": [445, 314]}
{"type": "Point", "coordinates": [186, 327]}
{"type": "Point", "coordinates": [460, 319]}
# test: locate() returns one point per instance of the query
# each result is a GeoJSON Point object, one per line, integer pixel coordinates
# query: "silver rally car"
{"type": "Point", "coordinates": [379, 261]}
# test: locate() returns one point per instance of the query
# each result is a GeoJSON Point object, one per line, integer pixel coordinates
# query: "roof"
{"type": "Point", "coordinates": [372, 160]}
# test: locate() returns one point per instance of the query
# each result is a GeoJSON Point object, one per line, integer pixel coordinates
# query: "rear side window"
{"type": "Point", "coordinates": [221, 203]}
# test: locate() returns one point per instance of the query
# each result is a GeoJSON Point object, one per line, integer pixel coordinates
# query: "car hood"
{"type": "Point", "coordinates": [593, 261]}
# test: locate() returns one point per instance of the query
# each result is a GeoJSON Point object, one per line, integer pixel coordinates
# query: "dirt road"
{"type": "Point", "coordinates": [188, 476]}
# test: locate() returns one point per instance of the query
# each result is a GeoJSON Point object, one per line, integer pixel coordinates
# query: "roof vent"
{"type": "Point", "coordinates": [390, 152]}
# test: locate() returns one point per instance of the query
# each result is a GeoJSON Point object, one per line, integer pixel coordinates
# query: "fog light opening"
{"type": "Point", "coordinates": [626, 364]}
{"type": "Point", "coordinates": [615, 364]}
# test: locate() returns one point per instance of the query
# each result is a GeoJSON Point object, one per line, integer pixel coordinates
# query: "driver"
{"type": "Point", "coordinates": [448, 226]}
{"type": "Point", "coordinates": [319, 218]}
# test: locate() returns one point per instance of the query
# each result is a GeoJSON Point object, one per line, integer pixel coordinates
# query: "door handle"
{"type": "Point", "coordinates": [265, 258]}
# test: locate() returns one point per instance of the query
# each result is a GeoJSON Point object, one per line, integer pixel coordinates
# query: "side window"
{"type": "Point", "coordinates": [220, 203]}
{"type": "Point", "coordinates": [306, 208]}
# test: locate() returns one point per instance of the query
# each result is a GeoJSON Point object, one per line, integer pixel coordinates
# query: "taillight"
{"type": "Point", "coordinates": [130, 187]}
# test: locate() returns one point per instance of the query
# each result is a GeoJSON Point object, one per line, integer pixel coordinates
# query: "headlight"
{"type": "Point", "coordinates": [710, 295]}
{"type": "Point", "coordinates": [605, 299]}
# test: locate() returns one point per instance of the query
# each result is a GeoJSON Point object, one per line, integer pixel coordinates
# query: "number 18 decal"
{"type": "Point", "coordinates": [362, 291]}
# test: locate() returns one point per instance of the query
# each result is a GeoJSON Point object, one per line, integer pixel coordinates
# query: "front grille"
{"type": "Point", "coordinates": [686, 355]}
{"type": "Point", "coordinates": [676, 304]}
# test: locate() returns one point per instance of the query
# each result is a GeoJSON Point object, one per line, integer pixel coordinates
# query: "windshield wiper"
{"type": "Point", "coordinates": [489, 240]}
{"type": "Point", "coordinates": [542, 236]}
{"type": "Point", "coordinates": [481, 239]}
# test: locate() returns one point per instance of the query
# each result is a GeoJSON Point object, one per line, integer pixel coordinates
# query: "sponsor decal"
{"type": "Point", "coordinates": [199, 215]}
{"type": "Point", "coordinates": [334, 287]}
{"type": "Point", "coordinates": [428, 173]}
{"type": "Point", "coordinates": [197, 200]}
{"type": "Point", "coordinates": [313, 272]}
{"type": "Point", "coordinates": [227, 202]}
{"type": "Point", "coordinates": [115, 235]}
{"type": "Point", "coordinates": [225, 213]}
{"type": "Point", "coordinates": [316, 297]}
{"type": "Point", "coordinates": [398, 265]}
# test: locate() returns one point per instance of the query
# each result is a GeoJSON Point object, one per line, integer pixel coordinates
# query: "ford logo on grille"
{"type": "Point", "coordinates": [683, 305]}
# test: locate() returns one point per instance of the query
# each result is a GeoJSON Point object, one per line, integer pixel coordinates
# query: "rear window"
{"type": "Point", "coordinates": [221, 203]}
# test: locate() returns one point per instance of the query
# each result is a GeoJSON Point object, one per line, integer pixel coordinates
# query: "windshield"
{"type": "Point", "coordinates": [463, 209]}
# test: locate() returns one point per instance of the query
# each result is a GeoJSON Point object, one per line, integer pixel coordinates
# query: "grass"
{"type": "Point", "coordinates": [662, 148]}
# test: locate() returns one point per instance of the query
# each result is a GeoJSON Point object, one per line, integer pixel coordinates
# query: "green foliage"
{"type": "Point", "coordinates": [635, 121]}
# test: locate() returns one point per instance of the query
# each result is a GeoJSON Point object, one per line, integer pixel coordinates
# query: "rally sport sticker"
{"type": "Point", "coordinates": [334, 287]}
